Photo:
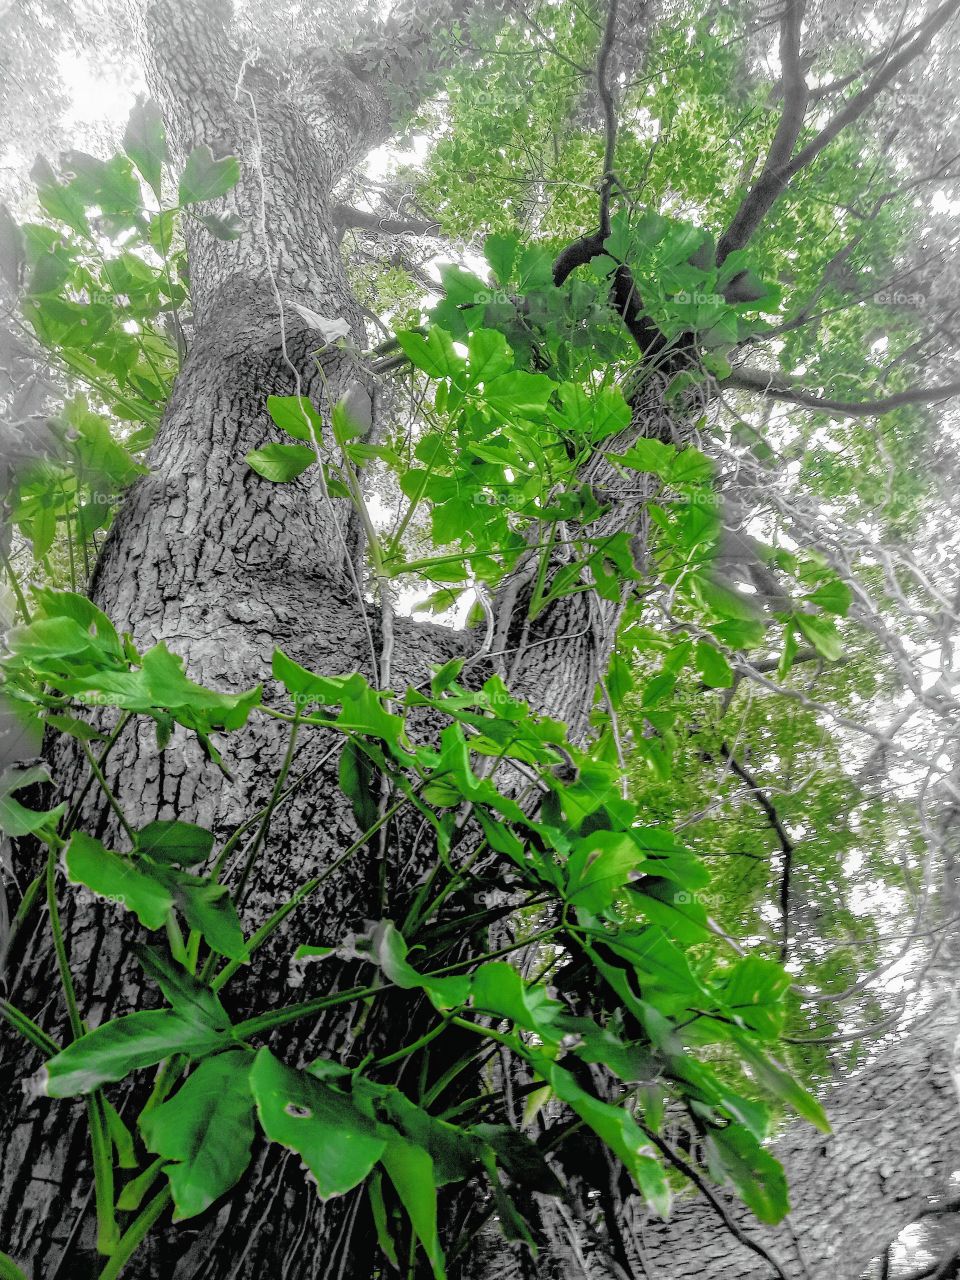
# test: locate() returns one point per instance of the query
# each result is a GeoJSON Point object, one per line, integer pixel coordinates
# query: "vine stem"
{"type": "Point", "coordinates": [99, 1142]}
{"type": "Point", "coordinates": [305, 890]}
{"type": "Point", "coordinates": [15, 584]}
{"type": "Point", "coordinates": [132, 1238]}
{"type": "Point", "coordinates": [257, 842]}
{"type": "Point", "coordinates": [60, 949]}
{"type": "Point", "coordinates": [74, 814]}
{"type": "Point", "coordinates": [111, 798]}
{"type": "Point", "coordinates": [306, 1009]}
{"type": "Point", "coordinates": [29, 1029]}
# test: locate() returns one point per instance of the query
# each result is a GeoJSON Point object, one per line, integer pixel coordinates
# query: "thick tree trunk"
{"type": "Point", "coordinates": [224, 567]}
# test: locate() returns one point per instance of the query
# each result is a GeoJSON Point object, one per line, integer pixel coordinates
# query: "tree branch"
{"type": "Point", "coordinates": [778, 387]}
{"type": "Point", "coordinates": [896, 1128]}
{"type": "Point", "coordinates": [780, 167]}
{"type": "Point", "coordinates": [771, 181]}
{"type": "Point", "coordinates": [346, 215]}
{"type": "Point", "coordinates": [861, 101]}
{"type": "Point", "coordinates": [609, 116]}
{"type": "Point", "coordinates": [780, 831]}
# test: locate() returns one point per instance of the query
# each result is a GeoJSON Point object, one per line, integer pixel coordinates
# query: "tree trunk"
{"type": "Point", "coordinates": [225, 567]}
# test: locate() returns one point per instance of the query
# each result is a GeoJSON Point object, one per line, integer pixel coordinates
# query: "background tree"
{"type": "Point", "coordinates": [700, 230]}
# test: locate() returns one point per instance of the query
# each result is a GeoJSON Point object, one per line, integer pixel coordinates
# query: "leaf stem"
{"type": "Point", "coordinates": [132, 1238]}
{"type": "Point", "coordinates": [304, 1009]}
{"type": "Point", "coordinates": [111, 798]}
{"type": "Point", "coordinates": [305, 890]}
{"type": "Point", "coordinates": [29, 1029]}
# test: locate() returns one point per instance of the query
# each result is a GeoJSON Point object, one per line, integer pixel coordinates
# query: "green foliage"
{"type": "Point", "coordinates": [527, 386]}
{"type": "Point", "coordinates": [624, 900]}
{"type": "Point", "coordinates": [102, 287]}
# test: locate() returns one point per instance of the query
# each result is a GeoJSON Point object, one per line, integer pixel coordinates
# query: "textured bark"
{"type": "Point", "coordinates": [224, 567]}
{"type": "Point", "coordinates": [895, 1145]}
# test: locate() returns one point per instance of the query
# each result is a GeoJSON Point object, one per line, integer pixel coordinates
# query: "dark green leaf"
{"type": "Point", "coordinates": [338, 1144]}
{"type": "Point", "coordinates": [207, 1129]}
{"type": "Point", "coordinates": [126, 1044]}
{"type": "Point", "coordinates": [144, 141]}
{"type": "Point", "coordinates": [172, 841]}
{"type": "Point", "coordinates": [118, 879]}
{"type": "Point", "coordinates": [281, 462]}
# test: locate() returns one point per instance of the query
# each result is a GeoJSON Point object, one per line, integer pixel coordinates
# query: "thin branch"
{"type": "Point", "coordinates": [772, 180]}
{"type": "Point", "coordinates": [718, 1206]}
{"type": "Point", "coordinates": [779, 388]}
{"type": "Point", "coordinates": [786, 844]}
{"type": "Point", "coordinates": [863, 100]}
{"type": "Point", "coordinates": [609, 117]}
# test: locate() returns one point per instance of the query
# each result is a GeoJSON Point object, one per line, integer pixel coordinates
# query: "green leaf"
{"type": "Point", "coordinates": [462, 287]}
{"type": "Point", "coordinates": [455, 1152]}
{"type": "Point", "coordinates": [411, 1171]}
{"type": "Point", "coordinates": [338, 1144]}
{"type": "Point", "coordinates": [12, 250]}
{"type": "Point", "coordinates": [501, 252]}
{"type": "Point", "coordinates": [281, 462]}
{"type": "Point", "coordinates": [117, 878]}
{"type": "Point", "coordinates": [776, 1079]}
{"type": "Point", "coordinates": [205, 178]}
{"type": "Point", "coordinates": [190, 998]}
{"type": "Point", "coordinates": [362, 707]}
{"type": "Point", "coordinates": [9, 1269]}
{"type": "Point", "coordinates": [621, 1133]}
{"type": "Point", "coordinates": [720, 600]}
{"type": "Point", "coordinates": [740, 633]}
{"type": "Point", "coordinates": [296, 416]}
{"type": "Point", "coordinates": [488, 354]}
{"type": "Point", "coordinates": [59, 201]}
{"type": "Point", "coordinates": [388, 950]}
{"type": "Point", "coordinates": [835, 597]}
{"type": "Point", "coordinates": [598, 868]}
{"type": "Point", "coordinates": [145, 142]}
{"type": "Point", "coordinates": [498, 988]}
{"type": "Point", "coordinates": [131, 1197]}
{"type": "Point", "coordinates": [126, 1044]}
{"type": "Point", "coordinates": [435, 354]}
{"type": "Point", "coordinates": [821, 633]}
{"type": "Point", "coordinates": [752, 990]}
{"type": "Point", "coordinates": [713, 666]}
{"type": "Point", "coordinates": [521, 1157]}
{"type": "Point", "coordinates": [17, 820]}
{"type": "Point", "coordinates": [207, 1128]}
{"type": "Point", "coordinates": [224, 226]}
{"type": "Point", "coordinates": [518, 392]}
{"type": "Point", "coordinates": [209, 909]}
{"type": "Point", "coordinates": [120, 1136]}
{"type": "Point", "coordinates": [732, 1153]}
{"type": "Point", "coordinates": [675, 910]}
{"type": "Point", "coordinates": [358, 778]}
{"type": "Point", "coordinates": [69, 604]}
{"type": "Point", "coordinates": [175, 842]}
{"type": "Point", "coordinates": [379, 1212]}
